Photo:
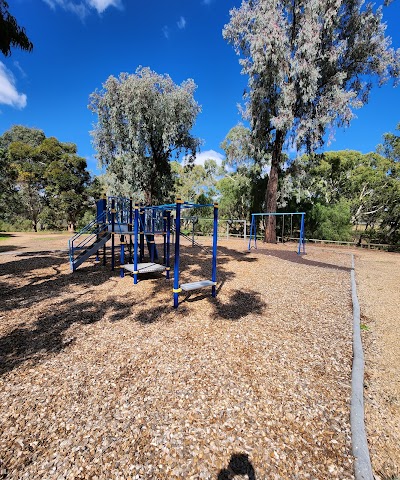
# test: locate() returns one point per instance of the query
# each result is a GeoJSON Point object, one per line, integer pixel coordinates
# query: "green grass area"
{"type": "Point", "coordinates": [4, 236]}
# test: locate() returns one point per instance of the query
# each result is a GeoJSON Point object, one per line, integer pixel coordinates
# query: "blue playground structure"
{"type": "Point", "coordinates": [136, 225]}
{"type": "Point", "coordinates": [253, 229]}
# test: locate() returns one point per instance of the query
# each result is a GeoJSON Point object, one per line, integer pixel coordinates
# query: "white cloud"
{"type": "Point", "coordinates": [165, 31]}
{"type": "Point", "coordinates": [181, 23]}
{"type": "Point", "coordinates": [82, 8]}
{"type": "Point", "coordinates": [101, 5]}
{"type": "Point", "coordinates": [8, 92]}
{"type": "Point", "coordinates": [207, 155]}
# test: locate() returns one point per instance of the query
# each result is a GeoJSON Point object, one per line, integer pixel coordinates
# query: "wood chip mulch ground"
{"type": "Point", "coordinates": [103, 379]}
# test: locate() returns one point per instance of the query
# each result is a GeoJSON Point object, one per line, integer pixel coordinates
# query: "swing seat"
{"type": "Point", "coordinates": [186, 287]}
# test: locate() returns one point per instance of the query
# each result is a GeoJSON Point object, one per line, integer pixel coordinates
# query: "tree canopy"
{"type": "Point", "coordinates": [343, 189]}
{"type": "Point", "coordinates": [11, 34]}
{"type": "Point", "coordinates": [44, 180]}
{"type": "Point", "coordinates": [309, 63]}
{"type": "Point", "coordinates": [144, 120]}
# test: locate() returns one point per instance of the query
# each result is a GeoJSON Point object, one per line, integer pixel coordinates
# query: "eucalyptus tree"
{"type": "Point", "coordinates": [11, 34]}
{"type": "Point", "coordinates": [66, 183]}
{"type": "Point", "coordinates": [246, 177]}
{"type": "Point", "coordinates": [192, 181]}
{"type": "Point", "coordinates": [309, 64]}
{"type": "Point", "coordinates": [390, 221]}
{"type": "Point", "coordinates": [8, 176]}
{"type": "Point", "coordinates": [367, 184]}
{"type": "Point", "coordinates": [44, 179]}
{"type": "Point", "coordinates": [391, 146]}
{"type": "Point", "coordinates": [144, 120]}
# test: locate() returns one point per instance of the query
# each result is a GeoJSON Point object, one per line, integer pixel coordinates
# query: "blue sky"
{"type": "Point", "coordinates": [79, 43]}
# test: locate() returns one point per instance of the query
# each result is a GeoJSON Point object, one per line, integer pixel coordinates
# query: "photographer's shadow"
{"type": "Point", "coordinates": [239, 464]}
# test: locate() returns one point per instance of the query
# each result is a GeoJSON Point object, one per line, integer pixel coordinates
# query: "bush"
{"type": "Point", "coordinates": [330, 222]}
{"type": "Point", "coordinates": [19, 225]}
{"type": "Point", "coordinates": [85, 219]}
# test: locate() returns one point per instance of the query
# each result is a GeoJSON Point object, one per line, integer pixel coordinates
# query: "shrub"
{"type": "Point", "coordinates": [330, 222]}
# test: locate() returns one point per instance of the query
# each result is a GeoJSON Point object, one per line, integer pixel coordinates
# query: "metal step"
{"type": "Point", "coordinates": [196, 285]}
{"type": "Point", "coordinates": [91, 250]}
{"type": "Point", "coordinates": [144, 267]}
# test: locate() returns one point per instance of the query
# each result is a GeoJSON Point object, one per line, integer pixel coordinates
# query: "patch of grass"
{"type": "Point", "coordinates": [364, 327]}
{"type": "Point", "coordinates": [4, 236]}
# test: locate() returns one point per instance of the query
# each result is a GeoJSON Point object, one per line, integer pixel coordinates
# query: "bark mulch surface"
{"type": "Point", "coordinates": [103, 379]}
{"type": "Point", "coordinates": [378, 285]}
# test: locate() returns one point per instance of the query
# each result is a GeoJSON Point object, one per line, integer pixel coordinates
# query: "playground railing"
{"type": "Point", "coordinates": [87, 236]}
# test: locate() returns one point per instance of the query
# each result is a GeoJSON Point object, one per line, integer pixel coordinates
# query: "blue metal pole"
{"type": "Point", "coordinates": [301, 239]}
{"type": "Point", "coordinates": [142, 231]}
{"type": "Point", "coordinates": [176, 290]}
{"type": "Point", "coordinates": [135, 245]}
{"type": "Point", "coordinates": [130, 227]}
{"type": "Point", "coordinates": [122, 257]}
{"type": "Point", "coordinates": [99, 211]}
{"type": "Point", "coordinates": [165, 235]}
{"type": "Point", "coordinates": [214, 251]}
{"type": "Point", "coordinates": [112, 234]}
{"type": "Point", "coordinates": [105, 224]}
{"type": "Point", "coordinates": [153, 241]}
{"type": "Point", "coordinates": [251, 230]}
{"type": "Point", "coordinates": [167, 261]}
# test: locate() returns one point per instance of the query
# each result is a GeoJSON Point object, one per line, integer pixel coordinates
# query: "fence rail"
{"type": "Point", "coordinates": [354, 244]}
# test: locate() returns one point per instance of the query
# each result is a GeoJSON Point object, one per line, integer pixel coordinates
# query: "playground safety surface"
{"type": "Point", "coordinates": [103, 379]}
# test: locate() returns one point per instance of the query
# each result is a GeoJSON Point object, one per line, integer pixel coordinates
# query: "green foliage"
{"type": "Point", "coordinates": [309, 65]}
{"type": "Point", "coordinates": [330, 222]}
{"type": "Point", "coordinates": [191, 181]}
{"type": "Point", "coordinates": [237, 146]}
{"type": "Point", "coordinates": [47, 183]}
{"type": "Point", "coordinates": [19, 224]}
{"type": "Point", "coordinates": [369, 183]}
{"type": "Point", "coordinates": [8, 176]}
{"type": "Point", "coordinates": [11, 34]}
{"type": "Point", "coordinates": [242, 191]}
{"type": "Point", "coordinates": [235, 196]}
{"type": "Point", "coordinates": [19, 133]}
{"type": "Point", "coordinates": [144, 119]}
{"type": "Point", "coordinates": [87, 217]}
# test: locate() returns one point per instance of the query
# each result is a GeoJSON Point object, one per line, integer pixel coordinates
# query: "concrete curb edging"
{"type": "Point", "coordinates": [362, 464]}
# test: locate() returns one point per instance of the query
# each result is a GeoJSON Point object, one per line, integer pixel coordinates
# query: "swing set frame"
{"type": "Point", "coordinates": [253, 229]}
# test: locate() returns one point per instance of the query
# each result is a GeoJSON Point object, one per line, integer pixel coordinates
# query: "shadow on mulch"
{"type": "Point", "coordinates": [299, 259]}
{"type": "Point", "coordinates": [240, 305]}
{"type": "Point", "coordinates": [9, 248]}
{"type": "Point", "coordinates": [239, 464]}
{"type": "Point", "coordinates": [46, 334]}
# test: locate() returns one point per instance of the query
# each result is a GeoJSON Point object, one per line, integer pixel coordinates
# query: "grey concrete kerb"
{"type": "Point", "coordinates": [362, 466]}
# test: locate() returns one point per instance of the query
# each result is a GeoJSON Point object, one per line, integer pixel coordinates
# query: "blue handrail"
{"type": "Point", "coordinates": [91, 232]}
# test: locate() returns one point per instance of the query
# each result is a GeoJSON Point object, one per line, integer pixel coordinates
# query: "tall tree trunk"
{"type": "Point", "coordinates": [272, 188]}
